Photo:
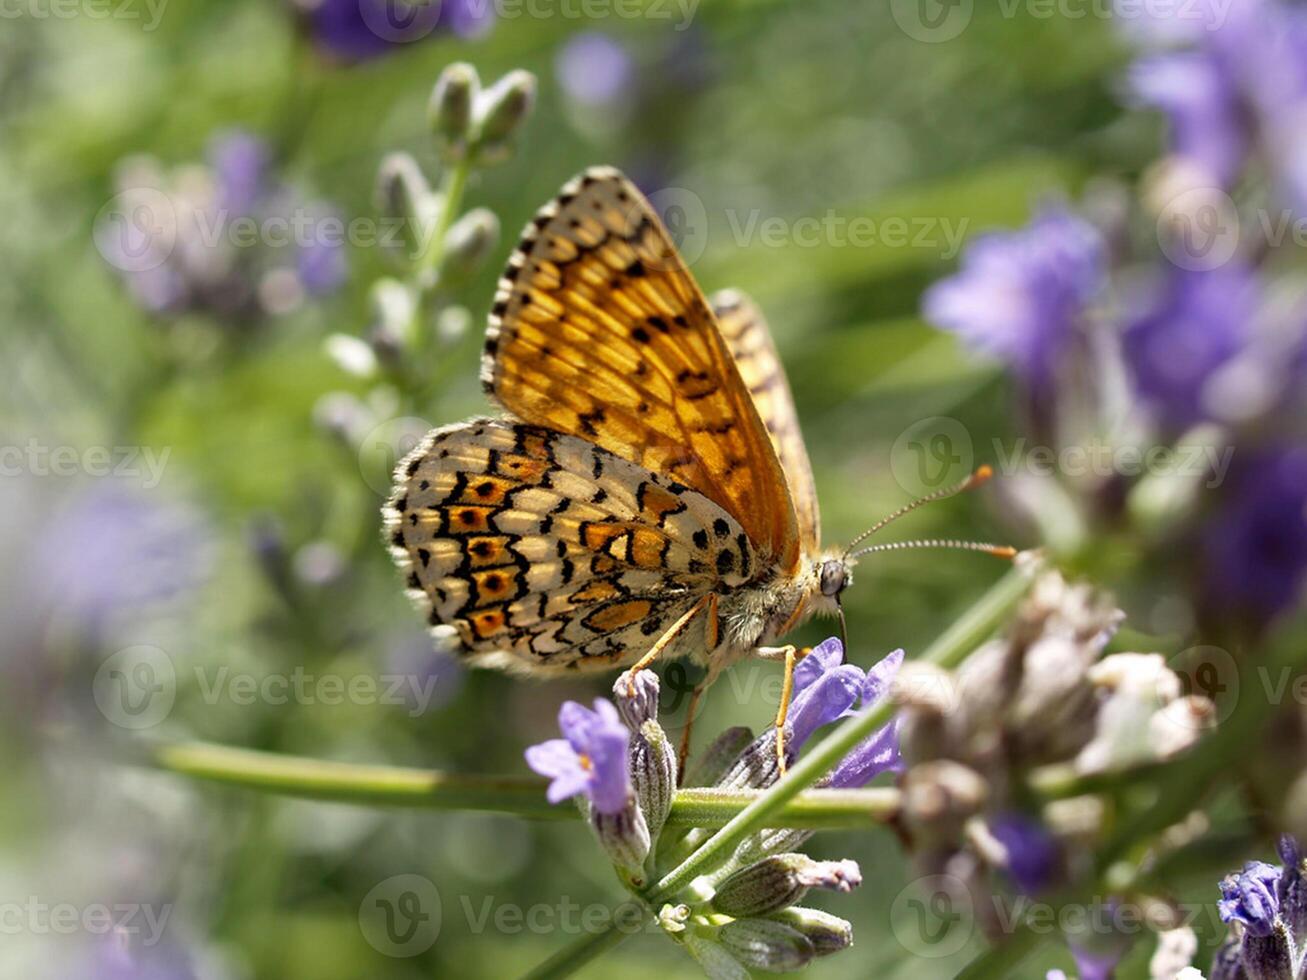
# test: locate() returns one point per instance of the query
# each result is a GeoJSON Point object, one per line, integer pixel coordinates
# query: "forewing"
{"type": "Point", "coordinates": [599, 331]}
{"type": "Point", "coordinates": [745, 330]}
{"type": "Point", "coordinates": [546, 553]}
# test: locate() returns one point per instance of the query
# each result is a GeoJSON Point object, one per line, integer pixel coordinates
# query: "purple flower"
{"type": "Point", "coordinates": [1033, 855]}
{"type": "Point", "coordinates": [358, 30]}
{"type": "Point", "coordinates": [240, 162]}
{"type": "Point", "coordinates": [1207, 125]}
{"type": "Point", "coordinates": [594, 69]}
{"type": "Point", "coordinates": [321, 266]}
{"type": "Point", "coordinates": [1255, 546]}
{"type": "Point", "coordinates": [1195, 325]}
{"type": "Point", "coordinates": [112, 958]}
{"type": "Point", "coordinates": [237, 247]}
{"type": "Point", "coordinates": [590, 758]}
{"type": "Point", "coordinates": [1249, 897]}
{"type": "Point", "coordinates": [879, 751]}
{"type": "Point", "coordinates": [1021, 296]}
{"type": "Point", "coordinates": [112, 553]}
{"type": "Point", "coordinates": [824, 689]}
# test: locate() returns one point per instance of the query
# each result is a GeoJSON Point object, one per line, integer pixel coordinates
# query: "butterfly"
{"type": "Point", "coordinates": [649, 495]}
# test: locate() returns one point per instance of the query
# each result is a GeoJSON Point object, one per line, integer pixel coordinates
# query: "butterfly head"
{"type": "Point", "coordinates": [834, 574]}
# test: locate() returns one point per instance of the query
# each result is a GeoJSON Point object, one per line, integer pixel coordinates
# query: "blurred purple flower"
{"type": "Point", "coordinates": [1207, 124]}
{"type": "Point", "coordinates": [436, 675]}
{"type": "Point", "coordinates": [359, 30]}
{"type": "Point", "coordinates": [1194, 325]}
{"type": "Point", "coordinates": [590, 758]}
{"type": "Point", "coordinates": [879, 751]}
{"type": "Point", "coordinates": [182, 244]}
{"type": "Point", "coordinates": [594, 69]}
{"type": "Point", "coordinates": [1034, 857]}
{"type": "Point", "coordinates": [114, 553]}
{"type": "Point", "coordinates": [112, 958]}
{"type": "Point", "coordinates": [1021, 296]}
{"type": "Point", "coordinates": [1095, 966]}
{"type": "Point", "coordinates": [1242, 82]}
{"type": "Point", "coordinates": [1256, 544]}
{"type": "Point", "coordinates": [321, 266]}
{"type": "Point", "coordinates": [240, 162]}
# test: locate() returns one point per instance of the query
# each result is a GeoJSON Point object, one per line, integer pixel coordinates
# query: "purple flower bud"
{"type": "Point", "coordinates": [764, 944]}
{"type": "Point", "coordinates": [1249, 897]}
{"type": "Point", "coordinates": [779, 881]}
{"type": "Point", "coordinates": [827, 933]}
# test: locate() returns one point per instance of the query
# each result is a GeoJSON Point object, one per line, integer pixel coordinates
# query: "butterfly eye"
{"type": "Point", "coordinates": [834, 576]}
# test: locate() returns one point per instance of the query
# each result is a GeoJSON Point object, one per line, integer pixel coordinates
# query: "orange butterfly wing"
{"type": "Point", "coordinates": [745, 330]}
{"type": "Point", "coordinates": [598, 330]}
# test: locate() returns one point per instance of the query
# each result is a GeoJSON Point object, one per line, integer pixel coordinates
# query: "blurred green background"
{"type": "Point", "coordinates": [271, 532]}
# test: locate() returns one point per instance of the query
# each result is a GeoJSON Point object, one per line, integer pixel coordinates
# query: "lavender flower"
{"type": "Point", "coordinates": [824, 689]}
{"type": "Point", "coordinates": [227, 238]}
{"type": "Point", "coordinates": [360, 30]}
{"type": "Point", "coordinates": [1202, 108]}
{"type": "Point", "coordinates": [1269, 904]}
{"type": "Point", "coordinates": [1033, 855]}
{"type": "Point", "coordinates": [1255, 547]}
{"type": "Point", "coordinates": [594, 69]}
{"type": "Point", "coordinates": [111, 553]}
{"type": "Point", "coordinates": [1198, 321]}
{"type": "Point", "coordinates": [1022, 296]}
{"type": "Point", "coordinates": [1249, 897]}
{"type": "Point", "coordinates": [590, 758]}
{"type": "Point", "coordinates": [879, 751]}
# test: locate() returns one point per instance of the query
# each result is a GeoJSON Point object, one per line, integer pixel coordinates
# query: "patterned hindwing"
{"type": "Point", "coordinates": [746, 333]}
{"type": "Point", "coordinates": [546, 553]}
{"type": "Point", "coordinates": [599, 331]}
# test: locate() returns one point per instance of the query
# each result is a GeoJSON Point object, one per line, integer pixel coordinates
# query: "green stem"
{"type": "Point", "coordinates": [521, 795]}
{"type": "Point", "coordinates": [949, 650]}
{"type": "Point", "coordinates": [577, 954]}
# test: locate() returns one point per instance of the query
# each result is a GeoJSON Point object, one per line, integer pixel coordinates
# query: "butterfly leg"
{"type": "Point", "coordinates": [692, 711]}
{"type": "Point", "coordinates": [707, 604]}
{"type": "Point", "coordinates": [791, 655]}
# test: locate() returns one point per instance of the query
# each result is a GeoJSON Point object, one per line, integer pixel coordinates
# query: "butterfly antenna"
{"type": "Point", "coordinates": [997, 550]}
{"type": "Point", "coordinates": [981, 476]}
